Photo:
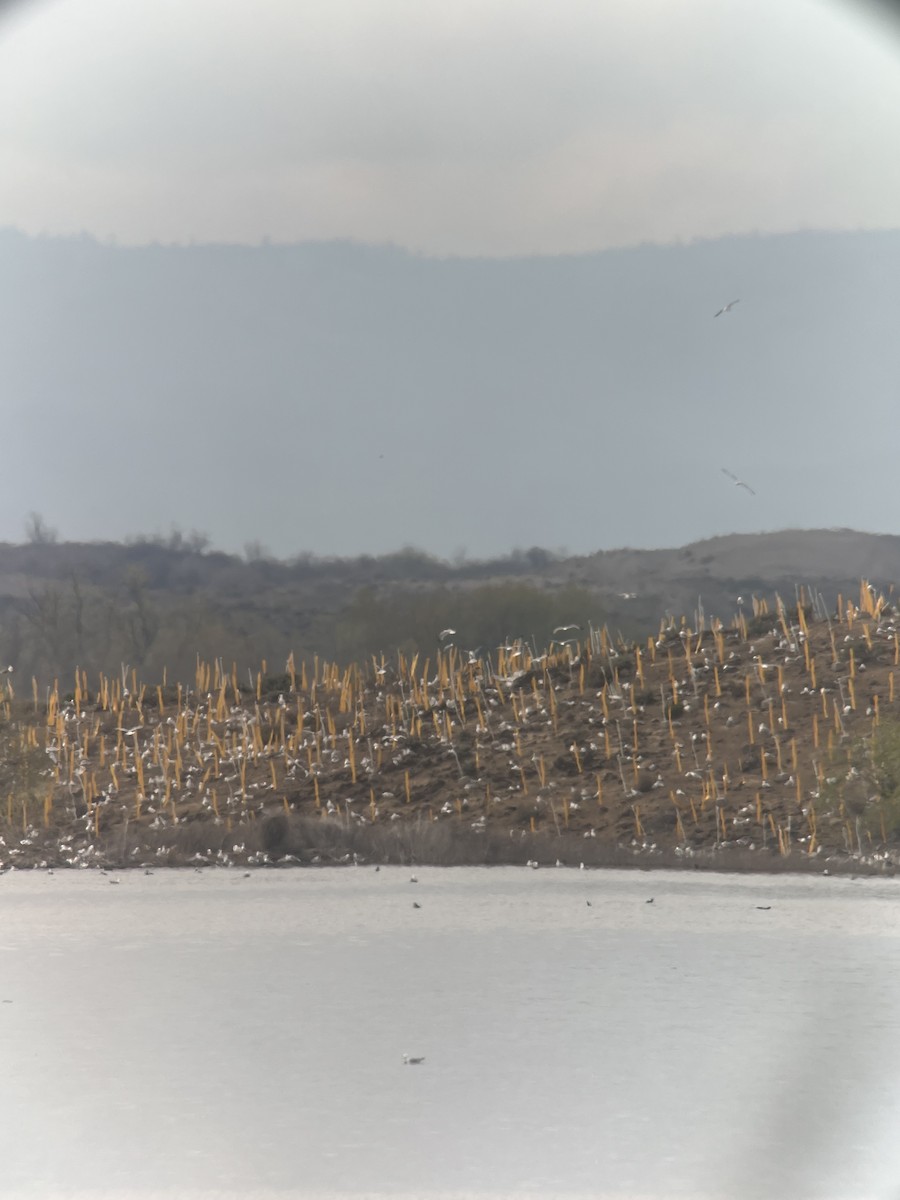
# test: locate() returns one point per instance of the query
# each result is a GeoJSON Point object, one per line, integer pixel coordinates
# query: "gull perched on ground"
{"type": "Point", "coordinates": [738, 482]}
{"type": "Point", "coordinates": [726, 308]}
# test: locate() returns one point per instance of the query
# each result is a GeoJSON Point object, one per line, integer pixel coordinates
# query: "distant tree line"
{"type": "Point", "coordinates": [58, 624]}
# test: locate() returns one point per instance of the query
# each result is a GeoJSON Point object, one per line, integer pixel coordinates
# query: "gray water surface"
{"type": "Point", "coordinates": [211, 1034]}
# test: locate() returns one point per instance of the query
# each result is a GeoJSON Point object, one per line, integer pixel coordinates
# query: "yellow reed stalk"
{"type": "Point", "coordinates": [316, 791]}
{"type": "Point", "coordinates": [852, 691]}
{"type": "Point", "coordinates": [678, 758]}
{"type": "Point", "coordinates": [542, 771]}
{"type": "Point", "coordinates": [638, 827]}
{"type": "Point", "coordinates": [599, 790]}
{"type": "Point", "coordinates": [406, 786]}
{"type": "Point", "coordinates": [577, 756]}
{"type": "Point", "coordinates": [607, 744]}
{"type": "Point", "coordinates": [718, 683]}
{"type": "Point", "coordinates": [679, 827]}
{"type": "Point", "coordinates": [531, 823]}
{"type": "Point", "coordinates": [784, 716]}
{"type": "Point", "coordinates": [693, 810]}
{"type": "Point", "coordinates": [751, 734]}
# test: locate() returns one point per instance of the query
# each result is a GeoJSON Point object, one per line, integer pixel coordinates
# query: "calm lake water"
{"type": "Point", "coordinates": [189, 1034]}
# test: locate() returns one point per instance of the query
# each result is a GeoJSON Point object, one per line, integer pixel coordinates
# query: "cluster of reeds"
{"type": "Point", "coordinates": [706, 736]}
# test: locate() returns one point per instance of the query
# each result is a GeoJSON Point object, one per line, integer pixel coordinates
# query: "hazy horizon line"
{"type": "Point", "coordinates": [198, 542]}
{"type": "Point", "coordinates": [264, 242]}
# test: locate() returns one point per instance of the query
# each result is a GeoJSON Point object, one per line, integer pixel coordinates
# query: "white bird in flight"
{"type": "Point", "coordinates": [726, 308]}
{"type": "Point", "coordinates": [738, 482]}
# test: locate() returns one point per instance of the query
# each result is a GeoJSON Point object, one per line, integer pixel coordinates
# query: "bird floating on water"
{"type": "Point", "coordinates": [413, 1062]}
{"type": "Point", "coordinates": [726, 308]}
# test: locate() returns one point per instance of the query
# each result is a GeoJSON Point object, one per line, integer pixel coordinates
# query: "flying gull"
{"type": "Point", "coordinates": [738, 482]}
{"type": "Point", "coordinates": [726, 308]}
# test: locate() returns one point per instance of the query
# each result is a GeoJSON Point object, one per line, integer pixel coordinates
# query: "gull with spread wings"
{"type": "Point", "coordinates": [726, 308]}
{"type": "Point", "coordinates": [738, 482]}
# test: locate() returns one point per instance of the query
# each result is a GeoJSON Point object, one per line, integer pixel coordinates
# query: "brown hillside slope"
{"type": "Point", "coordinates": [152, 604]}
{"type": "Point", "coordinates": [731, 742]}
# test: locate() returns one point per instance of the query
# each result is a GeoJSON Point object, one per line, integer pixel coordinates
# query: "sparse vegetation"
{"type": "Point", "coordinates": [785, 747]}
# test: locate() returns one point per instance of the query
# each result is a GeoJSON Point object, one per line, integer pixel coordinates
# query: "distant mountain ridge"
{"type": "Point", "coordinates": [342, 398]}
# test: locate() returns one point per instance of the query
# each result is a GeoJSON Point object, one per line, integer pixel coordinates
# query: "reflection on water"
{"type": "Point", "coordinates": [221, 1035]}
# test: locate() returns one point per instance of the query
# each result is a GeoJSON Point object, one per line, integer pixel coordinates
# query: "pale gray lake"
{"type": "Point", "coordinates": [207, 1034]}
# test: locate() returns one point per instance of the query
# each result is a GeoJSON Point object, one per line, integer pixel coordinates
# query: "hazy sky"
{"type": "Point", "coordinates": [479, 126]}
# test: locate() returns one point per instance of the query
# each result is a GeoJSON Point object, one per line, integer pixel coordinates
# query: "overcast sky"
{"type": "Point", "coordinates": [477, 127]}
